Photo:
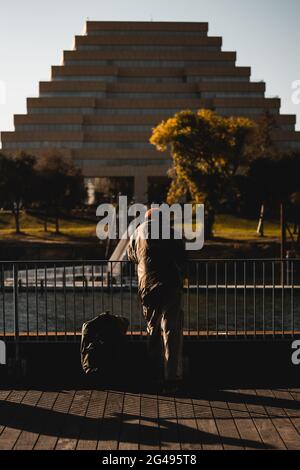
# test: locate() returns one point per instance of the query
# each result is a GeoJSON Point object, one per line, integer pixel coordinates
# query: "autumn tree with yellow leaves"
{"type": "Point", "coordinates": [207, 149]}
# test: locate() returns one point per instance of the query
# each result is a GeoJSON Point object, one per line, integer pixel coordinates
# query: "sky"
{"type": "Point", "coordinates": [33, 33]}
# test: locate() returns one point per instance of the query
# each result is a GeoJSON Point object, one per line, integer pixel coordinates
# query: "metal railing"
{"type": "Point", "coordinates": [247, 299]}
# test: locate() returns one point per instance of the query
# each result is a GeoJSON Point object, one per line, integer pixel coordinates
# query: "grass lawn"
{"type": "Point", "coordinates": [234, 228]}
{"type": "Point", "coordinates": [79, 229]}
{"type": "Point", "coordinates": [33, 229]}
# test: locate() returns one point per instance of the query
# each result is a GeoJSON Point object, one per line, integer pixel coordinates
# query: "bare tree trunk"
{"type": "Point", "coordinates": [16, 213]}
{"type": "Point", "coordinates": [260, 227]}
{"type": "Point", "coordinates": [57, 224]}
{"type": "Point", "coordinates": [209, 220]}
{"type": "Point", "coordinates": [283, 244]}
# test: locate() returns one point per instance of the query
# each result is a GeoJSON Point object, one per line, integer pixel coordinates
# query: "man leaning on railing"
{"type": "Point", "coordinates": [160, 264]}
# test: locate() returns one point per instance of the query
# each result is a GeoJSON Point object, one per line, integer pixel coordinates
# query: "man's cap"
{"type": "Point", "coordinates": [152, 213]}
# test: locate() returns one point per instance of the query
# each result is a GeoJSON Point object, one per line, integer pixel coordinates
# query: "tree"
{"type": "Point", "coordinates": [260, 182]}
{"type": "Point", "coordinates": [261, 144]}
{"type": "Point", "coordinates": [207, 149]}
{"type": "Point", "coordinates": [17, 183]}
{"type": "Point", "coordinates": [262, 147]}
{"type": "Point", "coordinates": [295, 214]}
{"type": "Point", "coordinates": [60, 185]}
{"type": "Point", "coordinates": [271, 182]}
{"type": "Point", "coordinates": [275, 182]}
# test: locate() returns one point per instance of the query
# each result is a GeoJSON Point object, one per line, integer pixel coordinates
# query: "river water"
{"type": "Point", "coordinates": [241, 309]}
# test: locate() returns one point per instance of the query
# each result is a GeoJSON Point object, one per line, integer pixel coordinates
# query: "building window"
{"type": "Point", "coordinates": [101, 32]}
{"type": "Point", "coordinates": [152, 63]}
{"type": "Point", "coordinates": [142, 47]}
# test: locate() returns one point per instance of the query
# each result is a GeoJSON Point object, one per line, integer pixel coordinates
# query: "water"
{"type": "Point", "coordinates": [242, 309]}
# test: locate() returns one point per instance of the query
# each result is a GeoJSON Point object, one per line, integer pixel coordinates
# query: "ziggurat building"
{"type": "Point", "coordinates": [120, 80]}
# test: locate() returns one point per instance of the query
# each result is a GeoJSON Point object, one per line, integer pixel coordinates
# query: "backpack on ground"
{"type": "Point", "coordinates": [102, 342]}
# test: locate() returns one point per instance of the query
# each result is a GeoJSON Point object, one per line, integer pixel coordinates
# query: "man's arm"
{"type": "Point", "coordinates": [131, 255]}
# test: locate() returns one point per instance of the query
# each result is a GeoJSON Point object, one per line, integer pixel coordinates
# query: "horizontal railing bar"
{"type": "Point", "coordinates": [125, 288]}
{"type": "Point", "coordinates": [193, 260]}
{"type": "Point", "coordinates": [53, 334]}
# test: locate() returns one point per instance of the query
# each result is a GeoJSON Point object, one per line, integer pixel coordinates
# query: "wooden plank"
{"type": "Point", "coordinates": [206, 425]}
{"type": "Point", "coordinates": [129, 436]}
{"type": "Point", "coordinates": [228, 431]}
{"type": "Point", "coordinates": [53, 425]}
{"type": "Point", "coordinates": [4, 394]}
{"type": "Point", "coordinates": [281, 421]}
{"type": "Point", "coordinates": [149, 423]}
{"type": "Point", "coordinates": [4, 410]}
{"type": "Point", "coordinates": [75, 420]}
{"type": "Point", "coordinates": [23, 401]}
{"type": "Point", "coordinates": [168, 425]}
{"type": "Point", "coordinates": [295, 393]}
{"type": "Point", "coordinates": [264, 425]}
{"type": "Point", "coordinates": [90, 432]}
{"type": "Point", "coordinates": [291, 407]}
{"type": "Point", "coordinates": [111, 424]}
{"type": "Point", "coordinates": [244, 422]}
{"type": "Point", "coordinates": [189, 436]}
{"type": "Point", "coordinates": [36, 419]}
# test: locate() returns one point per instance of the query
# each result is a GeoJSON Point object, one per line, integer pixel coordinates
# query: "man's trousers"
{"type": "Point", "coordinates": [164, 318]}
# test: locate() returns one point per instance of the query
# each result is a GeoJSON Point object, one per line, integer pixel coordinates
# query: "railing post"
{"type": "Point", "coordinates": [16, 311]}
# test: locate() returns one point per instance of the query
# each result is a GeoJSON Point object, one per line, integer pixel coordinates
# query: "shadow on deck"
{"type": "Point", "coordinates": [238, 395]}
{"type": "Point", "coordinates": [114, 419]}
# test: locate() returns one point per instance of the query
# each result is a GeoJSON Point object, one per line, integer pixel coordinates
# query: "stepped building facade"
{"type": "Point", "coordinates": [119, 81]}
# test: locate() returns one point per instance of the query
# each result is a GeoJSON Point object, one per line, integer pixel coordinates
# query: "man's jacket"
{"type": "Point", "coordinates": [159, 262]}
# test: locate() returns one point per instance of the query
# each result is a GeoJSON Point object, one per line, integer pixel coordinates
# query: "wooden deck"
{"type": "Point", "coordinates": [109, 419]}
